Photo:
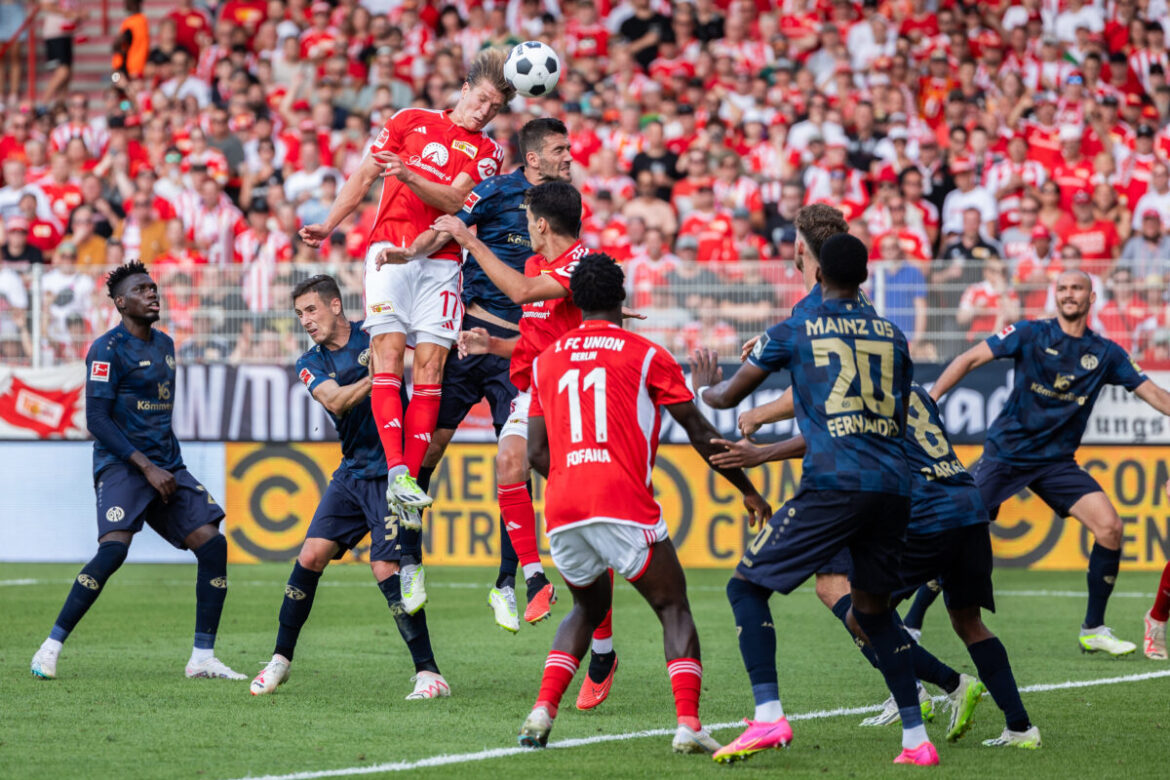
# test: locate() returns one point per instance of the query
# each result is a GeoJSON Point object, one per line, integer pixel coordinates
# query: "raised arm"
{"type": "Point", "coordinates": [783, 408]}
{"type": "Point", "coordinates": [744, 454]}
{"type": "Point", "coordinates": [1155, 395]}
{"type": "Point", "coordinates": [445, 197]}
{"type": "Point", "coordinates": [518, 287]}
{"type": "Point", "coordinates": [976, 356]}
{"type": "Point", "coordinates": [349, 198]}
{"type": "Point", "coordinates": [702, 435]}
{"type": "Point", "coordinates": [339, 399]}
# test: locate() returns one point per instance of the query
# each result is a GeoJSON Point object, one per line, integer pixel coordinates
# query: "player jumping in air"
{"type": "Point", "coordinates": [430, 161]}
{"type": "Point", "coordinates": [554, 221]}
{"type": "Point", "coordinates": [1155, 620]}
{"type": "Point", "coordinates": [139, 473]}
{"type": "Point", "coordinates": [1060, 368]}
{"type": "Point", "coordinates": [496, 208]}
{"type": "Point", "coordinates": [596, 396]}
{"type": "Point", "coordinates": [851, 372]}
{"type": "Point", "coordinates": [948, 541]}
{"type": "Point", "coordinates": [336, 372]}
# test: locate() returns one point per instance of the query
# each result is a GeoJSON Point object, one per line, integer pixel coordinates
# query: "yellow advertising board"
{"type": "Point", "coordinates": [273, 490]}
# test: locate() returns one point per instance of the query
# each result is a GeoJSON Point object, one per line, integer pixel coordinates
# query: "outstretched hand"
{"type": "Point", "coordinates": [747, 348]}
{"type": "Point", "coordinates": [474, 342]}
{"type": "Point", "coordinates": [740, 454]}
{"type": "Point", "coordinates": [705, 370]}
{"type": "Point", "coordinates": [314, 235]}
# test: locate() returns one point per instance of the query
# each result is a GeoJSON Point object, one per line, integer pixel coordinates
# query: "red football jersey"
{"type": "Point", "coordinates": [543, 322]}
{"type": "Point", "coordinates": [437, 149]}
{"type": "Point", "coordinates": [600, 388]}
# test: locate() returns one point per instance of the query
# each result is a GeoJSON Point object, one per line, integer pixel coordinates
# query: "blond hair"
{"type": "Point", "coordinates": [488, 66]}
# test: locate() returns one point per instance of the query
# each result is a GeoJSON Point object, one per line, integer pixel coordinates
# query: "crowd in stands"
{"type": "Point", "coordinates": [978, 148]}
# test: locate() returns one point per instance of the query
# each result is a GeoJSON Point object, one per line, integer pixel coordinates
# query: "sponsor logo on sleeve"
{"type": "Point", "coordinates": [99, 371]}
{"type": "Point", "coordinates": [487, 167]}
{"type": "Point", "coordinates": [469, 204]}
{"type": "Point", "coordinates": [306, 376]}
{"type": "Point", "coordinates": [1007, 331]}
{"type": "Point", "coordinates": [170, 362]}
{"type": "Point", "coordinates": [383, 137]}
{"type": "Point", "coordinates": [468, 149]}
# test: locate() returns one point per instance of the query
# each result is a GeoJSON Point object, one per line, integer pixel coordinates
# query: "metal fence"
{"type": "Point", "coordinates": [243, 314]}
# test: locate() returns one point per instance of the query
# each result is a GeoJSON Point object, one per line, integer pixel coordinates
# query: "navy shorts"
{"type": "Point", "coordinates": [958, 558]}
{"type": "Point", "coordinates": [125, 500]}
{"type": "Point", "coordinates": [841, 563]}
{"type": "Point", "coordinates": [468, 380]}
{"type": "Point", "coordinates": [1060, 484]}
{"type": "Point", "coordinates": [814, 526]}
{"type": "Point", "coordinates": [350, 509]}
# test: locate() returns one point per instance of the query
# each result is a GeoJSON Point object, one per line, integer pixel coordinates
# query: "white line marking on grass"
{"type": "Point", "coordinates": [1048, 594]}
{"type": "Point", "coordinates": [484, 755]}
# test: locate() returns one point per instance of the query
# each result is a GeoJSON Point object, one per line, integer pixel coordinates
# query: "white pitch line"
{"type": "Point", "coordinates": [484, 755]}
{"type": "Point", "coordinates": [1067, 594]}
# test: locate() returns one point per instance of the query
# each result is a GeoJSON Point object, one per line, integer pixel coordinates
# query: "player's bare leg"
{"type": "Point", "coordinates": [299, 593]}
{"type": "Point", "coordinates": [1095, 511]}
{"type": "Point", "coordinates": [210, 548]}
{"type": "Point", "coordinates": [112, 550]}
{"type": "Point", "coordinates": [664, 586]}
{"type": "Point", "coordinates": [388, 353]}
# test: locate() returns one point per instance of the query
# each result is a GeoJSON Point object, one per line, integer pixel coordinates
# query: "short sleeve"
{"type": "Point", "coordinates": [563, 273]}
{"type": "Point", "coordinates": [1124, 370]}
{"type": "Point", "coordinates": [774, 349]}
{"type": "Point", "coordinates": [311, 370]}
{"type": "Point", "coordinates": [665, 381]}
{"type": "Point", "coordinates": [390, 139]}
{"type": "Point", "coordinates": [101, 369]}
{"type": "Point", "coordinates": [486, 162]}
{"type": "Point", "coordinates": [477, 203]}
{"type": "Point", "coordinates": [1009, 341]}
{"type": "Point", "coordinates": [535, 409]}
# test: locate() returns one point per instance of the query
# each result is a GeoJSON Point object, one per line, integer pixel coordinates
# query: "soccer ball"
{"type": "Point", "coordinates": [533, 68]}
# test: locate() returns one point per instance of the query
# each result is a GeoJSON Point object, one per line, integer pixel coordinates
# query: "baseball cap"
{"type": "Point", "coordinates": [1040, 232]}
{"type": "Point", "coordinates": [301, 105]}
{"type": "Point", "coordinates": [1081, 196]}
{"type": "Point", "coordinates": [17, 223]}
{"type": "Point", "coordinates": [1070, 133]}
{"type": "Point", "coordinates": [898, 134]}
{"type": "Point", "coordinates": [939, 54]}
{"type": "Point", "coordinates": [1148, 213]}
{"type": "Point", "coordinates": [962, 165]}
{"type": "Point", "coordinates": [1145, 131]}
{"type": "Point", "coordinates": [1133, 99]}
{"type": "Point", "coordinates": [741, 213]}
{"type": "Point", "coordinates": [788, 235]}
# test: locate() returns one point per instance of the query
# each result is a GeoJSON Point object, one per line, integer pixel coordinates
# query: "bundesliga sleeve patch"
{"type": "Point", "coordinates": [306, 376]}
{"type": "Point", "coordinates": [1007, 331]}
{"type": "Point", "coordinates": [469, 204]}
{"type": "Point", "coordinates": [99, 371]}
{"type": "Point", "coordinates": [758, 349]}
{"type": "Point", "coordinates": [383, 137]}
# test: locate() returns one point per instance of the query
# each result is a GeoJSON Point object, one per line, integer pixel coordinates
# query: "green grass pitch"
{"type": "Point", "coordinates": [121, 707]}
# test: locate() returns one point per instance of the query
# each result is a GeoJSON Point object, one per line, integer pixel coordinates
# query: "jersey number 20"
{"type": "Point", "coordinates": [850, 357]}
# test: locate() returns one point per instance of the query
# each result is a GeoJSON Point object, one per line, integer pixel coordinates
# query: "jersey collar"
{"type": "Point", "coordinates": [577, 245]}
{"type": "Point", "coordinates": [600, 324]}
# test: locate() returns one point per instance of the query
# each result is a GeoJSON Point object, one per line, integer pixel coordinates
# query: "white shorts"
{"type": "Point", "coordinates": [421, 298]}
{"type": "Point", "coordinates": [517, 424]}
{"type": "Point", "coordinates": [582, 552]}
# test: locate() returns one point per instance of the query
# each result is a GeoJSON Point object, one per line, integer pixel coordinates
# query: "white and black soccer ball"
{"type": "Point", "coordinates": [533, 68]}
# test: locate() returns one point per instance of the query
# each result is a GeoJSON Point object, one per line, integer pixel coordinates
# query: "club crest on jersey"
{"type": "Point", "coordinates": [472, 199]}
{"type": "Point", "coordinates": [1089, 362]}
{"type": "Point", "coordinates": [99, 371]}
{"type": "Point", "coordinates": [436, 153]}
{"type": "Point", "coordinates": [364, 358]}
{"type": "Point", "coordinates": [468, 149]}
{"type": "Point", "coordinates": [115, 514]}
{"type": "Point", "coordinates": [306, 376]}
{"type": "Point", "coordinates": [1007, 331]}
{"type": "Point", "coordinates": [487, 167]}
{"type": "Point", "coordinates": [170, 362]}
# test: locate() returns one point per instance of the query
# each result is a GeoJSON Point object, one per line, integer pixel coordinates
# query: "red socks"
{"type": "Point", "coordinates": [686, 678]}
{"type": "Point", "coordinates": [1161, 608]}
{"type": "Point", "coordinates": [559, 669]}
{"type": "Point", "coordinates": [421, 417]}
{"type": "Point", "coordinates": [386, 403]}
{"type": "Point", "coordinates": [520, 521]}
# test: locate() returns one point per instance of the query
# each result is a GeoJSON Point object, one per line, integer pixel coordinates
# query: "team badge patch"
{"type": "Point", "coordinates": [1007, 331]}
{"type": "Point", "coordinates": [487, 167]}
{"type": "Point", "coordinates": [306, 376]}
{"type": "Point", "coordinates": [472, 199]}
{"type": "Point", "coordinates": [468, 149]}
{"type": "Point", "coordinates": [88, 582]}
{"type": "Point", "coordinates": [364, 358]}
{"type": "Point", "coordinates": [115, 514]}
{"type": "Point", "coordinates": [170, 362]}
{"type": "Point", "coordinates": [758, 349]}
{"type": "Point", "coordinates": [1088, 362]}
{"type": "Point", "coordinates": [99, 371]}
{"type": "Point", "coordinates": [379, 308]}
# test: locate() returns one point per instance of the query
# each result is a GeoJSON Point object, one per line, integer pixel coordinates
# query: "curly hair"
{"type": "Point", "coordinates": [121, 274]}
{"type": "Point", "coordinates": [817, 223]}
{"type": "Point", "coordinates": [598, 283]}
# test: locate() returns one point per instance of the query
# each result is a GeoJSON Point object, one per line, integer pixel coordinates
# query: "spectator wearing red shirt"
{"type": "Point", "coordinates": [604, 229]}
{"type": "Point", "coordinates": [12, 143]}
{"type": "Point", "coordinates": [648, 269]}
{"type": "Point", "coordinates": [1074, 172]}
{"type": "Point", "coordinates": [710, 226]}
{"type": "Point", "coordinates": [1136, 169]}
{"type": "Point", "coordinates": [1011, 179]}
{"type": "Point", "coordinates": [1125, 310]}
{"type": "Point", "coordinates": [908, 244]}
{"type": "Point", "coordinates": [1096, 239]}
{"type": "Point", "coordinates": [1042, 133]}
{"type": "Point", "coordinates": [1156, 197]}
{"type": "Point", "coordinates": [191, 26]}
{"type": "Point", "coordinates": [321, 40]}
{"type": "Point", "coordinates": [989, 306]}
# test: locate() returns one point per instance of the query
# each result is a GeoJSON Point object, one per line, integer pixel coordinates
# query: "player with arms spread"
{"type": "Point", "coordinates": [497, 209]}
{"type": "Point", "coordinates": [336, 372]}
{"type": "Point", "coordinates": [430, 161]}
{"type": "Point", "coordinates": [138, 472]}
{"type": "Point", "coordinates": [596, 395]}
{"type": "Point", "coordinates": [1060, 368]}
{"type": "Point", "coordinates": [851, 372]}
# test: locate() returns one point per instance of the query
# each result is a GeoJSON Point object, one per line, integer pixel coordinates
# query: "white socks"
{"type": "Point", "coordinates": [603, 646]}
{"type": "Point", "coordinates": [52, 645]}
{"type": "Point", "coordinates": [201, 654]}
{"type": "Point", "coordinates": [769, 712]}
{"type": "Point", "coordinates": [913, 737]}
{"type": "Point", "coordinates": [532, 568]}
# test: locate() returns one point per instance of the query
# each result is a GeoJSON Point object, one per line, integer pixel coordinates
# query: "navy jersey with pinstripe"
{"type": "Point", "coordinates": [851, 374]}
{"type": "Point", "coordinates": [944, 495]}
{"type": "Point", "coordinates": [496, 206]}
{"type": "Point", "coordinates": [809, 303]}
{"type": "Point", "coordinates": [1057, 381]}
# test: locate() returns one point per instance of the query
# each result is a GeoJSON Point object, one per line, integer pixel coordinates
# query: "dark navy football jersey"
{"type": "Point", "coordinates": [496, 205]}
{"type": "Point", "coordinates": [1057, 381]}
{"type": "Point", "coordinates": [139, 376]}
{"type": "Point", "coordinates": [943, 494]}
{"type": "Point", "coordinates": [851, 375]}
{"type": "Point", "coordinates": [809, 303]}
{"type": "Point", "coordinates": [361, 449]}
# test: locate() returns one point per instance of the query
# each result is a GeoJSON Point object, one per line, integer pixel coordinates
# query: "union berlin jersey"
{"type": "Point", "coordinates": [437, 149]}
{"type": "Point", "coordinates": [542, 322]}
{"type": "Point", "coordinates": [600, 388]}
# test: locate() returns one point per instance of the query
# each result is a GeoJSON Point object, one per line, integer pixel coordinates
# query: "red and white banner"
{"type": "Point", "coordinates": [42, 403]}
